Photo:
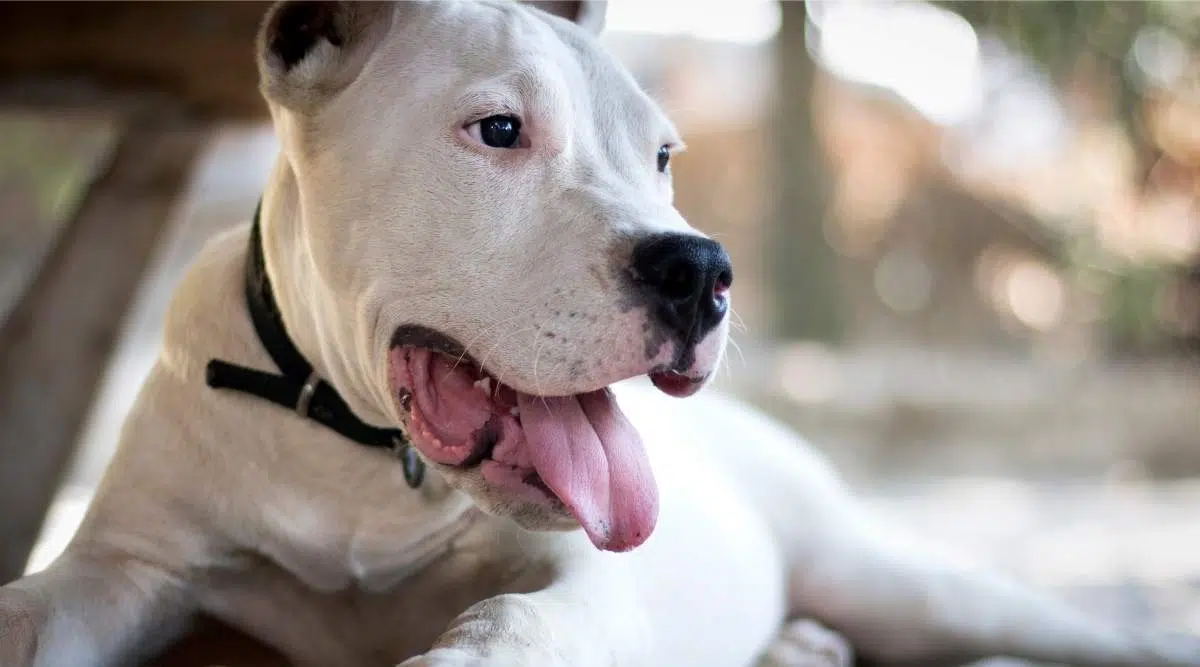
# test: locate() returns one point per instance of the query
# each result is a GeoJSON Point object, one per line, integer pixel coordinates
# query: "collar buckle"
{"type": "Point", "coordinates": [306, 394]}
{"type": "Point", "coordinates": [410, 461]}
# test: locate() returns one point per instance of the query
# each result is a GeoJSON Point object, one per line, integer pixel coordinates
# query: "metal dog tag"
{"type": "Point", "coordinates": [414, 467]}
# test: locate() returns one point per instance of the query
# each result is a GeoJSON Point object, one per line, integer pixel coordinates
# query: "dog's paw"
{"type": "Point", "coordinates": [445, 657]}
{"type": "Point", "coordinates": [806, 643]}
{"type": "Point", "coordinates": [495, 656]}
{"type": "Point", "coordinates": [18, 633]}
{"type": "Point", "coordinates": [504, 631]}
{"type": "Point", "coordinates": [489, 655]}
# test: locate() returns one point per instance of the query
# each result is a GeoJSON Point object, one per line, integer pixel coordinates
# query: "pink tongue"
{"type": "Point", "coordinates": [589, 454]}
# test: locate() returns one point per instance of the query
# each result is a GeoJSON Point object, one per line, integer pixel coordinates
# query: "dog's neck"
{"type": "Point", "coordinates": [319, 324]}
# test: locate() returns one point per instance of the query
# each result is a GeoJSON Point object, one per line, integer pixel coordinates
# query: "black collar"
{"type": "Point", "coordinates": [299, 388]}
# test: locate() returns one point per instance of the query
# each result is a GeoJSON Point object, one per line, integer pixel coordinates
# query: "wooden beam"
{"type": "Point", "coordinates": [200, 53]}
{"type": "Point", "coordinates": [47, 164]}
{"type": "Point", "coordinates": [55, 345]}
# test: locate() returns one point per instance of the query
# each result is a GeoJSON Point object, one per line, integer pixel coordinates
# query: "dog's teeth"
{"type": "Point", "coordinates": [485, 385]}
{"type": "Point", "coordinates": [514, 411]}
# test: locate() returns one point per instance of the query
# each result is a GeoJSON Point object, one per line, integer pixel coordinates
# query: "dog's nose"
{"type": "Point", "coordinates": [687, 278]}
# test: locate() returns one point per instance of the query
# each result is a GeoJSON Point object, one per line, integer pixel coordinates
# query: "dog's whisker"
{"type": "Point", "coordinates": [737, 348]}
{"type": "Point", "coordinates": [480, 334]}
{"type": "Point", "coordinates": [537, 383]}
{"type": "Point", "coordinates": [500, 339]}
{"type": "Point", "coordinates": [466, 346]}
{"type": "Point", "coordinates": [727, 367]}
{"type": "Point", "coordinates": [735, 320]}
{"type": "Point", "coordinates": [537, 350]}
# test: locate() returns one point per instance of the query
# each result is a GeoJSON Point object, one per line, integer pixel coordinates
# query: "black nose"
{"type": "Point", "coordinates": [687, 278]}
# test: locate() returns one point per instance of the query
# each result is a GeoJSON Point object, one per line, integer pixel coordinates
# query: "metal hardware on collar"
{"type": "Point", "coordinates": [306, 394]}
{"type": "Point", "coordinates": [414, 467]}
{"type": "Point", "coordinates": [298, 387]}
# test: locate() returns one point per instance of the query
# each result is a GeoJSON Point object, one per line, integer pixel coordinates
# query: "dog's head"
{"type": "Point", "coordinates": [481, 223]}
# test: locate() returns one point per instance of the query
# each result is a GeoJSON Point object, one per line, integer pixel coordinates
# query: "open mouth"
{"type": "Point", "coordinates": [577, 453]}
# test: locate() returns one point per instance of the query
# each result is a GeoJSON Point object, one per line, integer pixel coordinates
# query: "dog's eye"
{"type": "Point", "coordinates": [664, 156]}
{"type": "Point", "coordinates": [497, 131]}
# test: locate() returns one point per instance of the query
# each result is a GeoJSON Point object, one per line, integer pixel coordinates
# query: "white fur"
{"type": "Point", "coordinates": [378, 214]}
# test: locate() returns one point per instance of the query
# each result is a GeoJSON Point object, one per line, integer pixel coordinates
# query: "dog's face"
{"type": "Point", "coordinates": [485, 215]}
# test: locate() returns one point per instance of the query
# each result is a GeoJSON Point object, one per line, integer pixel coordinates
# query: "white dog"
{"type": "Point", "coordinates": [467, 240]}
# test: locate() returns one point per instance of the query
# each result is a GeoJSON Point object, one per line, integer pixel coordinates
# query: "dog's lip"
{"type": "Point", "coordinates": [668, 378]}
{"type": "Point", "coordinates": [420, 336]}
{"type": "Point", "coordinates": [675, 383]}
{"type": "Point", "coordinates": [416, 335]}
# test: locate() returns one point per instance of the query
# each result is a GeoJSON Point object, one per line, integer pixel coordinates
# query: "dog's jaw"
{"type": "Point", "coordinates": [574, 458]}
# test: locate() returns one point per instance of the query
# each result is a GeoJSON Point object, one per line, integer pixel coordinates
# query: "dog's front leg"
{"type": "Point", "coordinates": [88, 610]}
{"type": "Point", "coordinates": [588, 616]}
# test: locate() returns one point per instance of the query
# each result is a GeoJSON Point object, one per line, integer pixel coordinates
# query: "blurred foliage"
{"type": "Point", "coordinates": [1057, 33]}
{"type": "Point", "coordinates": [1063, 37]}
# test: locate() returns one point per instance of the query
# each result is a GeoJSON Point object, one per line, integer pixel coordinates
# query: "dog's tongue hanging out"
{"type": "Point", "coordinates": [581, 447]}
{"type": "Point", "coordinates": [593, 459]}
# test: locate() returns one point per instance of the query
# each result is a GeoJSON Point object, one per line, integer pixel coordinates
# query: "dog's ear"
{"type": "Point", "coordinates": [589, 14]}
{"type": "Point", "coordinates": [308, 50]}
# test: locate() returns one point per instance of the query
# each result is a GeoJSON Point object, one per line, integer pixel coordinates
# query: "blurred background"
{"type": "Point", "coordinates": [966, 234]}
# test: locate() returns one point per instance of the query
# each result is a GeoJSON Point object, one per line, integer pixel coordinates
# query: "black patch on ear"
{"type": "Point", "coordinates": [298, 27]}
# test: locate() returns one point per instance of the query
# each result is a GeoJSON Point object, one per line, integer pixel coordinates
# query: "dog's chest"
{"type": "Point", "coordinates": [364, 596]}
{"type": "Point", "coordinates": [372, 545]}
